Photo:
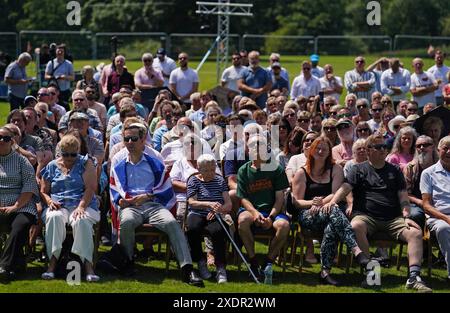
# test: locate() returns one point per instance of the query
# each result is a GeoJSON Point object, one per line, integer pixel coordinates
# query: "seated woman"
{"type": "Point", "coordinates": [293, 146]}
{"type": "Point", "coordinates": [313, 186]}
{"type": "Point", "coordinates": [404, 147]}
{"type": "Point", "coordinates": [18, 196]}
{"type": "Point", "coordinates": [67, 188]}
{"type": "Point", "coordinates": [207, 194]}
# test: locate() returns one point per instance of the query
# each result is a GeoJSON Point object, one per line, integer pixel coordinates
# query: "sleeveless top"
{"type": "Point", "coordinates": [314, 189]}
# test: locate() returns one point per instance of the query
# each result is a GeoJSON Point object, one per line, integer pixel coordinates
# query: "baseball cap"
{"type": "Point", "coordinates": [28, 98]}
{"type": "Point", "coordinates": [79, 116]}
{"type": "Point", "coordinates": [161, 51]}
{"type": "Point", "coordinates": [314, 58]}
{"type": "Point", "coordinates": [276, 64]}
{"type": "Point", "coordinates": [344, 121]}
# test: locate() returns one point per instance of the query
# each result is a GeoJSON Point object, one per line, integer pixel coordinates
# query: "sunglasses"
{"type": "Point", "coordinates": [359, 61]}
{"type": "Point", "coordinates": [132, 138]}
{"type": "Point", "coordinates": [343, 126]}
{"type": "Point", "coordinates": [290, 115]}
{"type": "Point", "coordinates": [344, 115]}
{"type": "Point", "coordinates": [329, 129]}
{"type": "Point", "coordinates": [423, 145]}
{"type": "Point", "coordinates": [53, 93]}
{"type": "Point", "coordinates": [377, 110]}
{"type": "Point", "coordinates": [379, 146]}
{"type": "Point", "coordinates": [333, 113]}
{"type": "Point", "coordinates": [5, 138]}
{"type": "Point", "coordinates": [303, 120]}
{"type": "Point", "coordinates": [182, 58]}
{"type": "Point", "coordinates": [396, 126]}
{"type": "Point", "coordinates": [306, 69]}
{"type": "Point", "coordinates": [361, 107]}
{"type": "Point", "coordinates": [69, 154]}
{"type": "Point", "coordinates": [363, 130]}
{"type": "Point", "coordinates": [42, 94]}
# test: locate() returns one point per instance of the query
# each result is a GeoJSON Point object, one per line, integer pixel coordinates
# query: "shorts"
{"type": "Point", "coordinates": [266, 214]}
{"type": "Point", "coordinates": [393, 227]}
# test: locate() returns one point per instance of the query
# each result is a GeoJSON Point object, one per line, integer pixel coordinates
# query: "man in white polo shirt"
{"type": "Point", "coordinates": [439, 71]}
{"type": "Point", "coordinates": [305, 84]}
{"type": "Point", "coordinates": [423, 84]}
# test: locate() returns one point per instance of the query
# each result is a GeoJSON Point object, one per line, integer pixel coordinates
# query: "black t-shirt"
{"type": "Point", "coordinates": [375, 191]}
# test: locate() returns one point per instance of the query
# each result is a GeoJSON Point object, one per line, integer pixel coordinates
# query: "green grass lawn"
{"type": "Point", "coordinates": [151, 277]}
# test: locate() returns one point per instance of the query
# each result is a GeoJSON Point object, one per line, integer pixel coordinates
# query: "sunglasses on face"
{"type": "Point", "coordinates": [290, 115]}
{"type": "Point", "coordinates": [379, 146]}
{"type": "Point", "coordinates": [363, 130]}
{"type": "Point", "coordinates": [359, 62]}
{"type": "Point", "coordinates": [69, 154]}
{"type": "Point", "coordinates": [148, 61]}
{"type": "Point", "coordinates": [306, 68]}
{"type": "Point", "coordinates": [344, 115]}
{"type": "Point", "coordinates": [182, 58]}
{"type": "Point", "coordinates": [42, 94]}
{"type": "Point", "coordinates": [396, 126]}
{"type": "Point", "coordinates": [5, 138]}
{"type": "Point", "coordinates": [377, 110]}
{"type": "Point", "coordinates": [343, 126]}
{"type": "Point", "coordinates": [309, 140]}
{"type": "Point", "coordinates": [329, 129]}
{"type": "Point", "coordinates": [132, 138]}
{"type": "Point", "coordinates": [361, 107]}
{"type": "Point", "coordinates": [282, 126]}
{"type": "Point", "coordinates": [423, 145]}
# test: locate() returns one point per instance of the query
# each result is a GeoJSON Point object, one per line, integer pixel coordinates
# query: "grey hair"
{"type": "Point", "coordinates": [362, 101]}
{"type": "Point", "coordinates": [361, 142]}
{"type": "Point", "coordinates": [24, 56]}
{"type": "Point", "coordinates": [147, 55]}
{"type": "Point", "coordinates": [276, 55]}
{"type": "Point", "coordinates": [205, 159]}
{"type": "Point", "coordinates": [428, 139]}
{"type": "Point", "coordinates": [396, 147]}
{"type": "Point", "coordinates": [195, 96]}
{"type": "Point", "coordinates": [444, 141]}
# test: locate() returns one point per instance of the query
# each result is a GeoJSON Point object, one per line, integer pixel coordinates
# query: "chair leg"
{"type": "Point", "coordinates": [167, 255]}
{"type": "Point", "coordinates": [302, 248]}
{"type": "Point", "coordinates": [430, 257]}
{"type": "Point", "coordinates": [284, 259]}
{"type": "Point", "coordinates": [294, 247]}
{"type": "Point", "coordinates": [399, 257]}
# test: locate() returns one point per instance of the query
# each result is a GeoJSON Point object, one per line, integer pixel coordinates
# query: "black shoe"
{"type": "Point", "coordinates": [362, 260]}
{"type": "Point", "coordinates": [256, 269]}
{"type": "Point", "coordinates": [6, 275]}
{"type": "Point", "coordinates": [328, 280]}
{"type": "Point", "coordinates": [192, 278]}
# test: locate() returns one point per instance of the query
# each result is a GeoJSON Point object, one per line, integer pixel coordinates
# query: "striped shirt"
{"type": "Point", "coordinates": [17, 176]}
{"type": "Point", "coordinates": [206, 191]}
{"type": "Point", "coordinates": [352, 77]}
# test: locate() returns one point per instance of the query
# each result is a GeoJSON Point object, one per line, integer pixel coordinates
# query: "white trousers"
{"type": "Point", "coordinates": [55, 232]}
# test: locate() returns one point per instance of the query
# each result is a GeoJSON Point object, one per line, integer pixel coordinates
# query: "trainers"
{"type": "Point", "coordinates": [418, 284]}
{"type": "Point", "coordinates": [203, 270]}
{"type": "Point", "coordinates": [256, 270]}
{"type": "Point", "coordinates": [221, 275]}
{"type": "Point", "coordinates": [48, 276]}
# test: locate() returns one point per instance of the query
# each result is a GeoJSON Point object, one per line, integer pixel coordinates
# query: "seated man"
{"type": "Point", "coordinates": [261, 190]}
{"type": "Point", "coordinates": [434, 184]}
{"type": "Point", "coordinates": [425, 157]}
{"type": "Point", "coordinates": [143, 192]}
{"type": "Point", "coordinates": [381, 205]}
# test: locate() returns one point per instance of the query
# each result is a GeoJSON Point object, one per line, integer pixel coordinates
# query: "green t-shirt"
{"type": "Point", "coordinates": [259, 186]}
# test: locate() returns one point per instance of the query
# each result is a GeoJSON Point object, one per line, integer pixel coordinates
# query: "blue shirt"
{"type": "Point", "coordinates": [139, 109]}
{"type": "Point", "coordinates": [68, 189]}
{"type": "Point", "coordinates": [157, 137]}
{"type": "Point", "coordinates": [198, 116]}
{"type": "Point", "coordinates": [58, 69]}
{"type": "Point", "coordinates": [16, 72]}
{"type": "Point", "coordinates": [435, 181]}
{"type": "Point", "coordinates": [140, 178]}
{"type": "Point", "coordinates": [256, 79]}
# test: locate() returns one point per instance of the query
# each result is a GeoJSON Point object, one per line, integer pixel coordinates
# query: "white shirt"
{"type": "Point", "coordinates": [439, 73]}
{"type": "Point", "coordinates": [326, 84]}
{"type": "Point", "coordinates": [423, 80]}
{"type": "Point", "coordinates": [184, 81]}
{"type": "Point", "coordinates": [166, 67]}
{"type": "Point", "coordinates": [173, 151]}
{"type": "Point", "coordinates": [318, 71]}
{"type": "Point", "coordinates": [226, 150]}
{"type": "Point", "coordinates": [306, 88]}
{"type": "Point", "coordinates": [374, 126]}
{"type": "Point", "coordinates": [400, 79]}
{"type": "Point", "coordinates": [231, 75]}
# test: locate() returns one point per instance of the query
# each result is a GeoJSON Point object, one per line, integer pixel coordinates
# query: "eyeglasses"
{"type": "Point", "coordinates": [361, 106]}
{"type": "Point", "coordinates": [345, 115]}
{"type": "Point", "coordinates": [359, 61]}
{"type": "Point", "coordinates": [379, 146]}
{"type": "Point", "coordinates": [132, 138]}
{"type": "Point", "coordinates": [78, 100]}
{"type": "Point", "coordinates": [329, 129]}
{"type": "Point", "coordinates": [306, 68]}
{"type": "Point", "coordinates": [377, 110]}
{"type": "Point", "coordinates": [275, 60]}
{"type": "Point", "coordinates": [328, 104]}
{"type": "Point", "coordinates": [42, 94]}
{"type": "Point", "coordinates": [423, 145]}
{"type": "Point", "coordinates": [342, 126]}
{"type": "Point", "coordinates": [290, 115]}
{"type": "Point", "coordinates": [69, 154]}
{"type": "Point", "coordinates": [412, 110]}
{"type": "Point", "coordinates": [363, 130]}
{"type": "Point", "coordinates": [5, 138]}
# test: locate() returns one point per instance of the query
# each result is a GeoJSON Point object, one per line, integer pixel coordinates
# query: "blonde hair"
{"type": "Point", "coordinates": [70, 142]}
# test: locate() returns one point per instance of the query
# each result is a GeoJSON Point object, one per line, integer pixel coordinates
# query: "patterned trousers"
{"type": "Point", "coordinates": [335, 226]}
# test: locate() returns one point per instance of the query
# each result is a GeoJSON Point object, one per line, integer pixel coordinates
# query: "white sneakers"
{"type": "Point", "coordinates": [221, 275]}
{"type": "Point", "coordinates": [48, 276]}
{"type": "Point", "coordinates": [203, 270]}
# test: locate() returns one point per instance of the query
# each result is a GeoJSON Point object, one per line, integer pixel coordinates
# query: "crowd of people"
{"type": "Point", "coordinates": [195, 169]}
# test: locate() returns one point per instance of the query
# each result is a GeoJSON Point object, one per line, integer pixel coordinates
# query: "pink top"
{"type": "Point", "coordinates": [399, 159]}
{"type": "Point", "coordinates": [141, 77]}
{"type": "Point", "coordinates": [340, 153]}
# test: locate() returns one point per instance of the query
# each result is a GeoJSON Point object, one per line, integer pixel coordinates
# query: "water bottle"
{"type": "Point", "coordinates": [268, 273]}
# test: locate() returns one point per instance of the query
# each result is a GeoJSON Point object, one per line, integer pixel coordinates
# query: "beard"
{"type": "Point", "coordinates": [425, 158]}
{"type": "Point", "coordinates": [90, 97]}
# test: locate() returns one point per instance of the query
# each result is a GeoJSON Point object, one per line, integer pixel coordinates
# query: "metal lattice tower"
{"type": "Point", "coordinates": [223, 9]}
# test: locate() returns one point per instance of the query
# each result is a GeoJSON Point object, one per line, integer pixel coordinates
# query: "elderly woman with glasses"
{"type": "Point", "coordinates": [67, 188]}
{"type": "Point", "coordinates": [363, 130]}
{"type": "Point", "coordinates": [404, 147]}
{"type": "Point", "coordinates": [19, 194]}
{"type": "Point", "coordinates": [88, 79]}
